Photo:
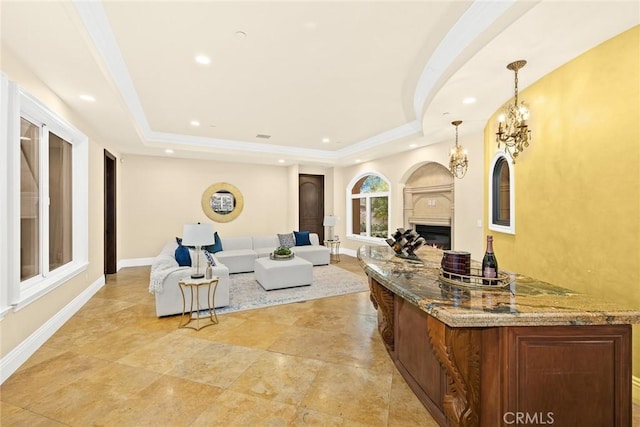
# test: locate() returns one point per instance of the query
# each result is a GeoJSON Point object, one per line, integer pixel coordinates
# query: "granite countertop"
{"type": "Point", "coordinates": [524, 302]}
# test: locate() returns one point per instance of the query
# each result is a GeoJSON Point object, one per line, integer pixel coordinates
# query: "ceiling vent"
{"type": "Point", "coordinates": [263, 136]}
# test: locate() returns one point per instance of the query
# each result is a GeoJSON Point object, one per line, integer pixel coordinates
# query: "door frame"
{"type": "Point", "coordinates": [110, 213]}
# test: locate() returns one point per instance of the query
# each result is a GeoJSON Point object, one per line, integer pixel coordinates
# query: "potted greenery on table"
{"type": "Point", "coordinates": [282, 252]}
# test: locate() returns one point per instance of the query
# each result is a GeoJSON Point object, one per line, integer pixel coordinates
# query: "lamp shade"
{"type": "Point", "coordinates": [329, 221]}
{"type": "Point", "coordinates": [197, 235]}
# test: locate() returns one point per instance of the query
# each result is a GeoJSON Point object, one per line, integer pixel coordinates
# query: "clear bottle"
{"type": "Point", "coordinates": [489, 263]}
{"type": "Point", "coordinates": [208, 272]}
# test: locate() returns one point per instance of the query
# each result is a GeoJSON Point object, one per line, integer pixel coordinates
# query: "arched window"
{"type": "Point", "coordinates": [369, 206]}
{"type": "Point", "coordinates": [501, 195]}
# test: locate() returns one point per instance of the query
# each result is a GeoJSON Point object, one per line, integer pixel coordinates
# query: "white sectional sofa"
{"type": "Point", "coordinates": [238, 255]}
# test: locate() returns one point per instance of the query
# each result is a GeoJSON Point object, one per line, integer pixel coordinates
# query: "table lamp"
{"type": "Point", "coordinates": [330, 221]}
{"type": "Point", "coordinates": [197, 235]}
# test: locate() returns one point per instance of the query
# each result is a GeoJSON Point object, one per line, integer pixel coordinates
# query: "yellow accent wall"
{"type": "Point", "coordinates": [577, 189]}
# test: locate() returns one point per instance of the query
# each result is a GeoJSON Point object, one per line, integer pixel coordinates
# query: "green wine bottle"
{"type": "Point", "coordinates": [489, 264]}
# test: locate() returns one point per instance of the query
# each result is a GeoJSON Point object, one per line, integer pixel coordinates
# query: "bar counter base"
{"type": "Point", "coordinates": [493, 376]}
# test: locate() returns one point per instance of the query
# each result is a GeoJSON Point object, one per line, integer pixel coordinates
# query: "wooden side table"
{"type": "Point", "coordinates": [194, 285]}
{"type": "Point", "coordinates": [334, 249]}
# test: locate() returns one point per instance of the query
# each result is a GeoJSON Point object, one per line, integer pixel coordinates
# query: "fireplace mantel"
{"type": "Point", "coordinates": [430, 220]}
{"type": "Point", "coordinates": [428, 205]}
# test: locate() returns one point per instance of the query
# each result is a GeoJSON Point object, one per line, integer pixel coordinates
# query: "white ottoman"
{"type": "Point", "coordinates": [272, 274]}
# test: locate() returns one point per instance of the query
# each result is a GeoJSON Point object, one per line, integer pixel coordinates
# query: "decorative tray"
{"type": "Point", "coordinates": [475, 280]}
{"type": "Point", "coordinates": [281, 257]}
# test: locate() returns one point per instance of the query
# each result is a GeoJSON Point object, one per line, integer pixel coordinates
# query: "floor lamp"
{"type": "Point", "coordinates": [330, 221]}
{"type": "Point", "coordinates": [197, 235]}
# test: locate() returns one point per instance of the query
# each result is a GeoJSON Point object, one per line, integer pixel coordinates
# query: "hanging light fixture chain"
{"type": "Point", "coordinates": [516, 88]}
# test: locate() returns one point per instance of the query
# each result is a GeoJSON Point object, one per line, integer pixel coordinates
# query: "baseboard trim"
{"type": "Point", "coordinates": [133, 262]}
{"type": "Point", "coordinates": [349, 252]}
{"type": "Point", "coordinates": [16, 357]}
{"type": "Point", "coordinates": [635, 389]}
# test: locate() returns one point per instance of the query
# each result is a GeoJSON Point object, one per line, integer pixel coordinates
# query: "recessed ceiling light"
{"type": "Point", "coordinates": [469, 100]}
{"type": "Point", "coordinates": [326, 140]}
{"type": "Point", "coordinates": [194, 123]}
{"type": "Point", "coordinates": [446, 113]}
{"type": "Point", "coordinates": [168, 151]}
{"type": "Point", "coordinates": [88, 98]}
{"type": "Point", "coordinates": [263, 136]}
{"type": "Point", "coordinates": [358, 160]}
{"type": "Point", "coordinates": [281, 161]}
{"type": "Point", "coordinates": [241, 34]}
{"type": "Point", "coordinates": [202, 59]}
{"type": "Point", "coordinates": [413, 145]}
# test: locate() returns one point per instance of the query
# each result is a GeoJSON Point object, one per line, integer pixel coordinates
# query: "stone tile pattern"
{"type": "Point", "coordinates": [525, 302]}
{"type": "Point", "coordinates": [317, 363]}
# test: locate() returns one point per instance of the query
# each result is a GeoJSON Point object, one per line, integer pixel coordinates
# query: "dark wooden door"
{"type": "Point", "coordinates": [110, 255]}
{"type": "Point", "coordinates": [311, 203]}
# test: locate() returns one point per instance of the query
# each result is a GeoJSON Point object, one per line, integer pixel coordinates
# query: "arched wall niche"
{"type": "Point", "coordinates": [429, 203]}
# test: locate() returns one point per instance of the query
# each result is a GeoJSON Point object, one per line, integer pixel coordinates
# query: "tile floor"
{"type": "Point", "coordinates": [318, 363]}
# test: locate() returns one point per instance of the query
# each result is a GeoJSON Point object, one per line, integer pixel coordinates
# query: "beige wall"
{"type": "Point", "coordinates": [162, 194]}
{"type": "Point", "coordinates": [577, 187]}
{"type": "Point", "coordinates": [398, 168]}
{"type": "Point", "coordinates": [15, 327]}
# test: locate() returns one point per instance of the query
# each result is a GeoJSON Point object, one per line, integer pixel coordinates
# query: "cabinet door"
{"type": "Point", "coordinates": [570, 375]}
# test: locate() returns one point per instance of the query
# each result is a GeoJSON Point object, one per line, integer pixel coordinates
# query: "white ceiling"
{"type": "Point", "coordinates": [371, 76]}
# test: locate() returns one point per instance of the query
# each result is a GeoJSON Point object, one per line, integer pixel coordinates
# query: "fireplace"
{"type": "Point", "coordinates": [438, 235]}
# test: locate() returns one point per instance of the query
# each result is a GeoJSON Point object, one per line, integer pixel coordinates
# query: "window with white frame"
{"type": "Point", "coordinates": [501, 195]}
{"type": "Point", "coordinates": [47, 192]}
{"type": "Point", "coordinates": [368, 203]}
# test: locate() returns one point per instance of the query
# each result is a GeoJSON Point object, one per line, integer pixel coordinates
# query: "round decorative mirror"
{"type": "Point", "coordinates": [222, 202]}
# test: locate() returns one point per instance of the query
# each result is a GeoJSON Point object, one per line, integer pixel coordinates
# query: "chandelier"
{"type": "Point", "coordinates": [458, 161]}
{"type": "Point", "coordinates": [512, 124]}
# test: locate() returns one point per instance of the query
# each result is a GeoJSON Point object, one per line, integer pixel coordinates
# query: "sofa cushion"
{"type": "Point", "coordinates": [264, 252]}
{"type": "Point", "coordinates": [265, 242]}
{"type": "Point", "coordinates": [235, 243]}
{"type": "Point", "coordinates": [288, 240]}
{"type": "Point", "coordinates": [302, 238]}
{"type": "Point", "coordinates": [238, 260]}
{"type": "Point", "coordinates": [315, 254]}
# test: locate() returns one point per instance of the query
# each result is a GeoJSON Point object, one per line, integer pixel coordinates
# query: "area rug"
{"type": "Point", "coordinates": [245, 293]}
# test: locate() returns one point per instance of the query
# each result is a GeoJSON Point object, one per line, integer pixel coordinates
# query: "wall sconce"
{"type": "Point", "coordinates": [512, 123]}
{"type": "Point", "coordinates": [458, 161]}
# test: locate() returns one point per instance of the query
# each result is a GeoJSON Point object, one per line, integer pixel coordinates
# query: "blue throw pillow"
{"type": "Point", "coordinates": [302, 238]}
{"type": "Point", "coordinates": [182, 254]}
{"type": "Point", "coordinates": [217, 244]}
